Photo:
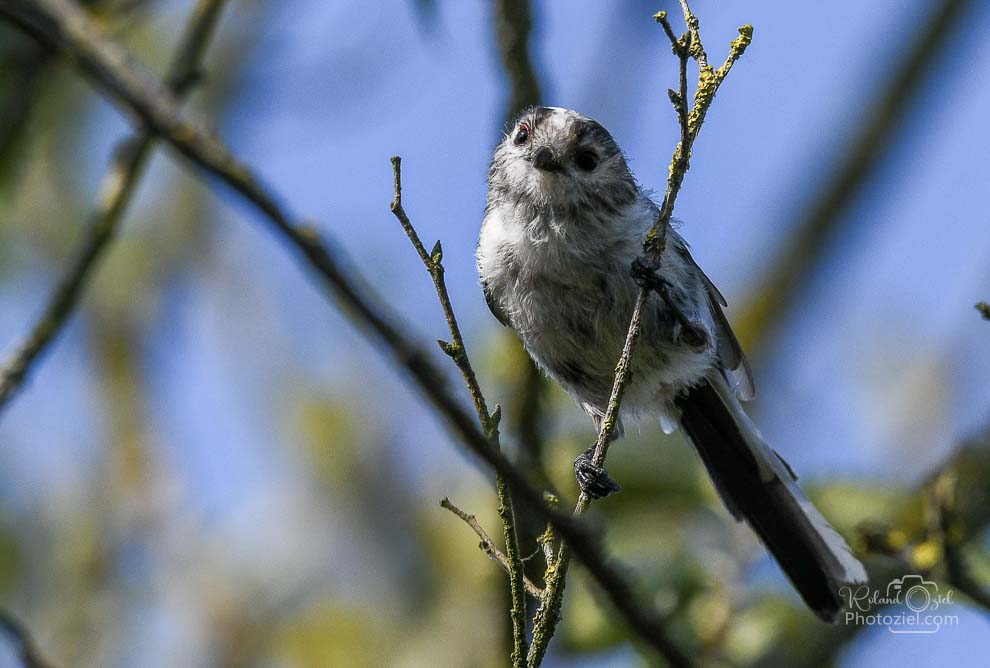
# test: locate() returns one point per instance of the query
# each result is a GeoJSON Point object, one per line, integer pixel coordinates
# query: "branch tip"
{"type": "Point", "coordinates": [661, 18]}
{"type": "Point", "coordinates": [488, 547]}
{"type": "Point", "coordinates": [396, 204]}
{"type": "Point", "coordinates": [117, 188]}
{"type": "Point", "coordinates": [496, 416]}
{"type": "Point", "coordinates": [690, 121]}
{"type": "Point", "coordinates": [436, 254]}
{"type": "Point", "coordinates": [83, 42]}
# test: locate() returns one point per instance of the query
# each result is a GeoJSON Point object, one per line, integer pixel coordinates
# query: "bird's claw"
{"type": "Point", "coordinates": [593, 480]}
{"type": "Point", "coordinates": [690, 332]}
{"type": "Point", "coordinates": [646, 276]}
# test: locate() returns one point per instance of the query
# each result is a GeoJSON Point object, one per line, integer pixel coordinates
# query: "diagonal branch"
{"type": "Point", "coordinates": [690, 122]}
{"type": "Point", "coordinates": [489, 546]}
{"type": "Point", "coordinates": [526, 389]}
{"type": "Point", "coordinates": [118, 186]}
{"type": "Point", "coordinates": [110, 68]}
{"type": "Point", "coordinates": [456, 350]}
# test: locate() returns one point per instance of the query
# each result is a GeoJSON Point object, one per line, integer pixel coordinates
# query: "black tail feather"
{"type": "Point", "coordinates": [768, 505]}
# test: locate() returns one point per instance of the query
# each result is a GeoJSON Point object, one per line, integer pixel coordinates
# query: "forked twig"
{"type": "Point", "coordinates": [111, 69]}
{"type": "Point", "coordinates": [119, 184]}
{"type": "Point", "coordinates": [489, 421]}
{"type": "Point", "coordinates": [488, 545]}
{"type": "Point", "coordinates": [690, 121]}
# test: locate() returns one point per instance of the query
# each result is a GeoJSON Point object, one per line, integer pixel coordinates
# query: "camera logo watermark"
{"type": "Point", "coordinates": [910, 604]}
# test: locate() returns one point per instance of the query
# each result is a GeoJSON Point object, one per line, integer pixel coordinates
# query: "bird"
{"type": "Point", "coordinates": [560, 262]}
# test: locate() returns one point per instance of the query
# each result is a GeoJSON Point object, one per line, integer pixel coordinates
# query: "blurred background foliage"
{"type": "Point", "coordinates": [211, 468]}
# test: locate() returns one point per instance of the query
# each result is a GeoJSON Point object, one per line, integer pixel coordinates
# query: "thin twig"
{"type": "Point", "coordinates": [456, 350]}
{"type": "Point", "coordinates": [690, 122]}
{"type": "Point", "coordinates": [661, 18]}
{"type": "Point", "coordinates": [433, 261]}
{"type": "Point", "coordinates": [118, 186]}
{"type": "Point", "coordinates": [488, 546]}
{"type": "Point", "coordinates": [697, 48]}
{"type": "Point", "coordinates": [111, 69]}
{"type": "Point", "coordinates": [526, 389]}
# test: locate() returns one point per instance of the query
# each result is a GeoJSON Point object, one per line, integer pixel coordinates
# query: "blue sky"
{"type": "Point", "coordinates": [880, 371]}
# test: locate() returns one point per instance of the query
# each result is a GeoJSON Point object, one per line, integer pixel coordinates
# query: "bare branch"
{"type": "Point", "coordinates": [456, 350]}
{"type": "Point", "coordinates": [675, 43]}
{"type": "Point", "coordinates": [111, 69]}
{"type": "Point", "coordinates": [690, 123]}
{"type": "Point", "coordinates": [488, 546]}
{"type": "Point", "coordinates": [118, 187]}
{"type": "Point", "coordinates": [433, 261]}
{"type": "Point", "coordinates": [526, 389]}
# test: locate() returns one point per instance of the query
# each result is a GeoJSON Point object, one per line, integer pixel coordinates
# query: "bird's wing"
{"type": "Point", "coordinates": [494, 307]}
{"type": "Point", "coordinates": [730, 353]}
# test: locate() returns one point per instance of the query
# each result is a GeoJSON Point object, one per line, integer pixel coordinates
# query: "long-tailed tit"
{"type": "Point", "coordinates": [564, 226]}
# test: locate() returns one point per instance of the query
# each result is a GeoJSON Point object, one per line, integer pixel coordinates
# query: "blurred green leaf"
{"type": "Point", "coordinates": [10, 560]}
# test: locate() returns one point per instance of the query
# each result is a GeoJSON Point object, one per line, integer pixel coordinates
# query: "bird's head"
{"type": "Point", "coordinates": [558, 157]}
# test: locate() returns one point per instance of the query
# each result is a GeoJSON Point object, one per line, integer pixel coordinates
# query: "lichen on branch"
{"type": "Point", "coordinates": [688, 46]}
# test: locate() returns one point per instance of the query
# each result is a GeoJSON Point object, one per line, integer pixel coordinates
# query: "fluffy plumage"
{"type": "Point", "coordinates": [565, 219]}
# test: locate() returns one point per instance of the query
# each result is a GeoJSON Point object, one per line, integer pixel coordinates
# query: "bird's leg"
{"type": "Point", "coordinates": [593, 480]}
{"type": "Point", "coordinates": [646, 277]}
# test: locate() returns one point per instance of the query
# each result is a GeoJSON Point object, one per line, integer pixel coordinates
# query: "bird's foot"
{"type": "Point", "coordinates": [690, 332]}
{"type": "Point", "coordinates": [593, 480]}
{"type": "Point", "coordinates": [646, 277]}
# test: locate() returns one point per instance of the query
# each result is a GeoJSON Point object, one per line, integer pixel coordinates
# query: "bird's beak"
{"type": "Point", "coordinates": [545, 160]}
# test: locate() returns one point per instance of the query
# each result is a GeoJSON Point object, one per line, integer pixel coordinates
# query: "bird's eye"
{"type": "Point", "coordinates": [586, 160]}
{"type": "Point", "coordinates": [522, 135]}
